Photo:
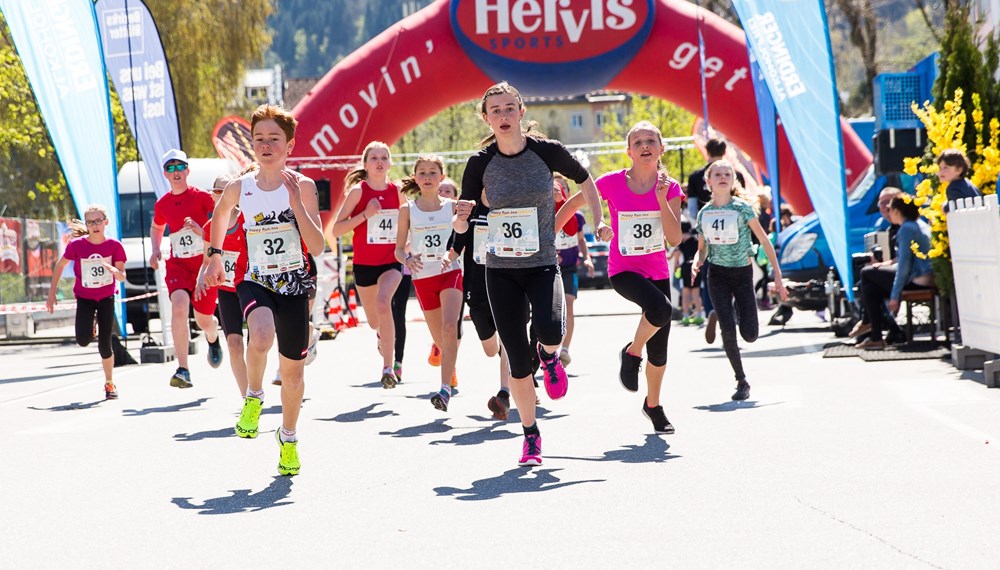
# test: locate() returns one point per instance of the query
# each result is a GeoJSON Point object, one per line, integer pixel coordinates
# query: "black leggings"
{"type": "Point", "coordinates": [876, 286]}
{"type": "Point", "coordinates": [399, 300]}
{"type": "Point", "coordinates": [104, 310]}
{"type": "Point", "coordinates": [653, 297]}
{"type": "Point", "coordinates": [727, 285]}
{"type": "Point", "coordinates": [511, 292]}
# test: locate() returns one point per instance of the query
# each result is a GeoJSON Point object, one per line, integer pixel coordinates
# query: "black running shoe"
{"type": "Point", "coordinates": [713, 321]}
{"type": "Point", "coordinates": [660, 422]}
{"type": "Point", "coordinates": [742, 391]}
{"type": "Point", "coordinates": [500, 405]}
{"type": "Point", "coordinates": [628, 374]}
{"type": "Point", "coordinates": [440, 400]}
{"type": "Point", "coordinates": [215, 354]}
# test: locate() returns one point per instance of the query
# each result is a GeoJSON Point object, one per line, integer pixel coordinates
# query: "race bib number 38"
{"type": "Point", "coordinates": [721, 226]}
{"type": "Point", "coordinates": [513, 232]}
{"type": "Point", "coordinates": [639, 233]}
{"type": "Point", "coordinates": [273, 249]}
{"type": "Point", "coordinates": [185, 243]}
{"type": "Point", "coordinates": [382, 227]}
{"type": "Point", "coordinates": [94, 274]}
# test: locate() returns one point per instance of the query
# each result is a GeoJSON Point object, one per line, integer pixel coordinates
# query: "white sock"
{"type": "Point", "coordinates": [259, 394]}
{"type": "Point", "coordinates": [287, 435]}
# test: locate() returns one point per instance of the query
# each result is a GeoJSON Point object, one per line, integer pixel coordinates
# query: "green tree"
{"type": "Point", "coordinates": [672, 120]}
{"type": "Point", "coordinates": [457, 128]}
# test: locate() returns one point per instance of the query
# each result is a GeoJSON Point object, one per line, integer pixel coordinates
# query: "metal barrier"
{"type": "Point", "coordinates": [974, 231]}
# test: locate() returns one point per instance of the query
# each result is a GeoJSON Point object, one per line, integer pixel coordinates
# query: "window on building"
{"type": "Point", "coordinates": [257, 93]}
{"type": "Point", "coordinates": [621, 117]}
{"type": "Point", "coordinates": [576, 120]}
{"type": "Point", "coordinates": [600, 118]}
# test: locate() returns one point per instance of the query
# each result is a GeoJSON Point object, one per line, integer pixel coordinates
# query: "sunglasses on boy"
{"type": "Point", "coordinates": [179, 167]}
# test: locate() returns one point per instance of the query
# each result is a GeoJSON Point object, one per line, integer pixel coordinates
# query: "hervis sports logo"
{"type": "Point", "coordinates": [552, 47]}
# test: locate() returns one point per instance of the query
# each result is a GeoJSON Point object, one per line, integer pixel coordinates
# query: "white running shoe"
{"type": "Point", "coordinates": [312, 351]}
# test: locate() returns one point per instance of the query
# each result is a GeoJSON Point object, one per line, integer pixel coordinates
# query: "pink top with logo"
{"type": "Point", "coordinates": [79, 250]}
{"type": "Point", "coordinates": [613, 188]}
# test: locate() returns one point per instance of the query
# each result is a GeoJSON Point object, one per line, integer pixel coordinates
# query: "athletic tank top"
{"type": "Point", "coordinates": [382, 225]}
{"type": "Point", "coordinates": [430, 236]}
{"type": "Point", "coordinates": [276, 255]}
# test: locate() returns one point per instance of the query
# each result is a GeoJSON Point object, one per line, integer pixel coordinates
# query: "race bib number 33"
{"type": "Point", "coordinates": [640, 233]}
{"type": "Point", "coordinates": [274, 249]}
{"type": "Point", "coordinates": [382, 227]}
{"type": "Point", "coordinates": [513, 232]}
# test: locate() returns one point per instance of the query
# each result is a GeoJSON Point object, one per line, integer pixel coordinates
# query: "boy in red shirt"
{"type": "Point", "coordinates": [184, 212]}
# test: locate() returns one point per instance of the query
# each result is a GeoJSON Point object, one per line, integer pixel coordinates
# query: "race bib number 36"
{"type": "Point", "coordinates": [185, 243]}
{"type": "Point", "coordinates": [513, 232]}
{"type": "Point", "coordinates": [274, 249]}
{"type": "Point", "coordinates": [382, 227]}
{"type": "Point", "coordinates": [639, 233]}
{"type": "Point", "coordinates": [94, 274]}
{"type": "Point", "coordinates": [721, 226]}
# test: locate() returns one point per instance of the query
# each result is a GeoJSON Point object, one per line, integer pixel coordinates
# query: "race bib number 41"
{"type": "Point", "coordinates": [185, 243]}
{"type": "Point", "coordinates": [382, 227]}
{"type": "Point", "coordinates": [640, 233]}
{"type": "Point", "coordinates": [513, 232]}
{"type": "Point", "coordinates": [94, 274]}
{"type": "Point", "coordinates": [721, 226]}
{"type": "Point", "coordinates": [274, 249]}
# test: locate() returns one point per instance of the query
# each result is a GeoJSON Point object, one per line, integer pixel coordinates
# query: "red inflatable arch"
{"type": "Point", "coordinates": [452, 50]}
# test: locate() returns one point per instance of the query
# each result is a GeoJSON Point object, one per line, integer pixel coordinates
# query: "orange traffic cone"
{"type": "Point", "coordinates": [352, 306]}
{"type": "Point", "coordinates": [335, 313]}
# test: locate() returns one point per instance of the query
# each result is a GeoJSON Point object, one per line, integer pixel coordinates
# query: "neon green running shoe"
{"type": "Point", "coordinates": [249, 417]}
{"type": "Point", "coordinates": [686, 321]}
{"type": "Point", "coordinates": [698, 320]}
{"type": "Point", "coordinates": [288, 463]}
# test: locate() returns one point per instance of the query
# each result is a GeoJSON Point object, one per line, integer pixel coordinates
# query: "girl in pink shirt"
{"type": "Point", "coordinates": [645, 209]}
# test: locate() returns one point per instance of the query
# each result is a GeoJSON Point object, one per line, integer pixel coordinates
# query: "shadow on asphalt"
{"type": "Point", "coordinates": [732, 406]}
{"type": "Point", "coordinates": [365, 413]}
{"type": "Point", "coordinates": [437, 426]}
{"type": "Point", "coordinates": [46, 376]}
{"type": "Point", "coordinates": [165, 409]}
{"type": "Point", "coordinates": [242, 500]}
{"type": "Point", "coordinates": [540, 413]}
{"type": "Point", "coordinates": [520, 480]}
{"type": "Point", "coordinates": [654, 450]}
{"type": "Point", "coordinates": [70, 407]}
{"type": "Point", "coordinates": [211, 434]}
{"type": "Point", "coordinates": [276, 408]}
{"type": "Point", "coordinates": [368, 385]}
{"type": "Point", "coordinates": [494, 432]}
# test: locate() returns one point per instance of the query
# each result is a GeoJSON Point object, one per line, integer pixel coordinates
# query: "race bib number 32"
{"type": "Point", "coordinates": [94, 274]}
{"type": "Point", "coordinates": [513, 232]}
{"type": "Point", "coordinates": [721, 226]}
{"type": "Point", "coordinates": [640, 233]}
{"type": "Point", "coordinates": [382, 227]}
{"type": "Point", "coordinates": [273, 249]}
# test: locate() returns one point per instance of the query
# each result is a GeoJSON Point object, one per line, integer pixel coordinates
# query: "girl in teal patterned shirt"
{"type": "Point", "coordinates": [723, 228]}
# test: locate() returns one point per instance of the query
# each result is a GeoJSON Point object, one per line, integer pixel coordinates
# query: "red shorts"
{"type": "Point", "coordinates": [182, 275]}
{"type": "Point", "coordinates": [429, 288]}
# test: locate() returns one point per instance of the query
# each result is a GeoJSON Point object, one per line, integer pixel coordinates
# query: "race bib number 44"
{"type": "Point", "coordinates": [721, 226]}
{"type": "Point", "coordinates": [185, 243]}
{"type": "Point", "coordinates": [382, 227]}
{"type": "Point", "coordinates": [94, 273]}
{"type": "Point", "coordinates": [640, 233]}
{"type": "Point", "coordinates": [513, 232]}
{"type": "Point", "coordinates": [274, 249]}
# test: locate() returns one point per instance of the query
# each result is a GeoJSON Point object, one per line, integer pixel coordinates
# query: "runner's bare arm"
{"type": "Point", "coordinates": [215, 273]}
{"type": "Point", "coordinates": [304, 200]}
{"type": "Point", "coordinates": [772, 257]}
{"type": "Point", "coordinates": [602, 231]}
{"type": "Point", "coordinates": [345, 222]}
{"type": "Point", "coordinates": [50, 303]}
{"type": "Point", "coordinates": [568, 209]}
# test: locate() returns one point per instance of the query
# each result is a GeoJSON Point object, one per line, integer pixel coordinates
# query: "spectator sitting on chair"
{"type": "Point", "coordinates": [889, 281]}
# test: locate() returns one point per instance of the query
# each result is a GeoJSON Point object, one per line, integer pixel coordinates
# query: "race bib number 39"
{"type": "Point", "coordinates": [382, 227]}
{"type": "Point", "coordinates": [229, 265]}
{"type": "Point", "coordinates": [721, 226]}
{"type": "Point", "coordinates": [185, 243]}
{"type": "Point", "coordinates": [639, 233]}
{"type": "Point", "coordinates": [513, 232]}
{"type": "Point", "coordinates": [94, 274]}
{"type": "Point", "coordinates": [274, 249]}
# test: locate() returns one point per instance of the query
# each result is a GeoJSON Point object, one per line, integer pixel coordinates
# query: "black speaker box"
{"type": "Point", "coordinates": [893, 145]}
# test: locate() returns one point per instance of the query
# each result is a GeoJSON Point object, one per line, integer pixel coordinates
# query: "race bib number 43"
{"type": "Point", "coordinates": [640, 233]}
{"type": "Point", "coordinates": [94, 273]}
{"type": "Point", "coordinates": [721, 226]}
{"type": "Point", "coordinates": [382, 227]}
{"type": "Point", "coordinates": [274, 249]}
{"type": "Point", "coordinates": [513, 232]}
{"type": "Point", "coordinates": [185, 243]}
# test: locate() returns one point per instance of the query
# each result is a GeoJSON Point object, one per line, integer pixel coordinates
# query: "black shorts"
{"type": "Point", "coordinates": [230, 313]}
{"type": "Point", "coordinates": [686, 275]}
{"type": "Point", "coordinates": [367, 275]}
{"type": "Point", "coordinates": [290, 313]}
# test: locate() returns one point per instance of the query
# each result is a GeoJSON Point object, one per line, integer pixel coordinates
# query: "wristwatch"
{"type": "Point", "coordinates": [214, 250]}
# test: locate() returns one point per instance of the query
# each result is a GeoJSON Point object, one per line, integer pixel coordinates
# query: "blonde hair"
{"type": "Point", "coordinates": [78, 227]}
{"type": "Point", "coordinates": [410, 185]}
{"type": "Point", "coordinates": [359, 173]}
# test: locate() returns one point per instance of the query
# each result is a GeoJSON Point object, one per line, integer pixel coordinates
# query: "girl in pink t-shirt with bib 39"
{"type": "Point", "coordinates": [645, 207]}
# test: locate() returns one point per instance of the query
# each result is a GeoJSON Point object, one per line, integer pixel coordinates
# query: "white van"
{"type": "Point", "coordinates": [136, 212]}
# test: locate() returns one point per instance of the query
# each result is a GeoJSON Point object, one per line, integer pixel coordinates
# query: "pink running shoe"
{"type": "Point", "coordinates": [556, 382]}
{"type": "Point", "coordinates": [532, 451]}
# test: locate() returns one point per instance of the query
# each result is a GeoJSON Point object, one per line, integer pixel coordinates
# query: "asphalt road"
{"type": "Point", "coordinates": [832, 463]}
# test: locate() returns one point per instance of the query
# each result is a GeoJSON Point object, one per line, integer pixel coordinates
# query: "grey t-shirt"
{"type": "Point", "coordinates": [523, 180]}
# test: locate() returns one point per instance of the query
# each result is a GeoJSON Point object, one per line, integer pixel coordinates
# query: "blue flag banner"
{"type": "Point", "coordinates": [138, 67]}
{"type": "Point", "coordinates": [768, 132]}
{"type": "Point", "coordinates": [791, 42]}
{"type": "Point", "coordinates": [60, 49]}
